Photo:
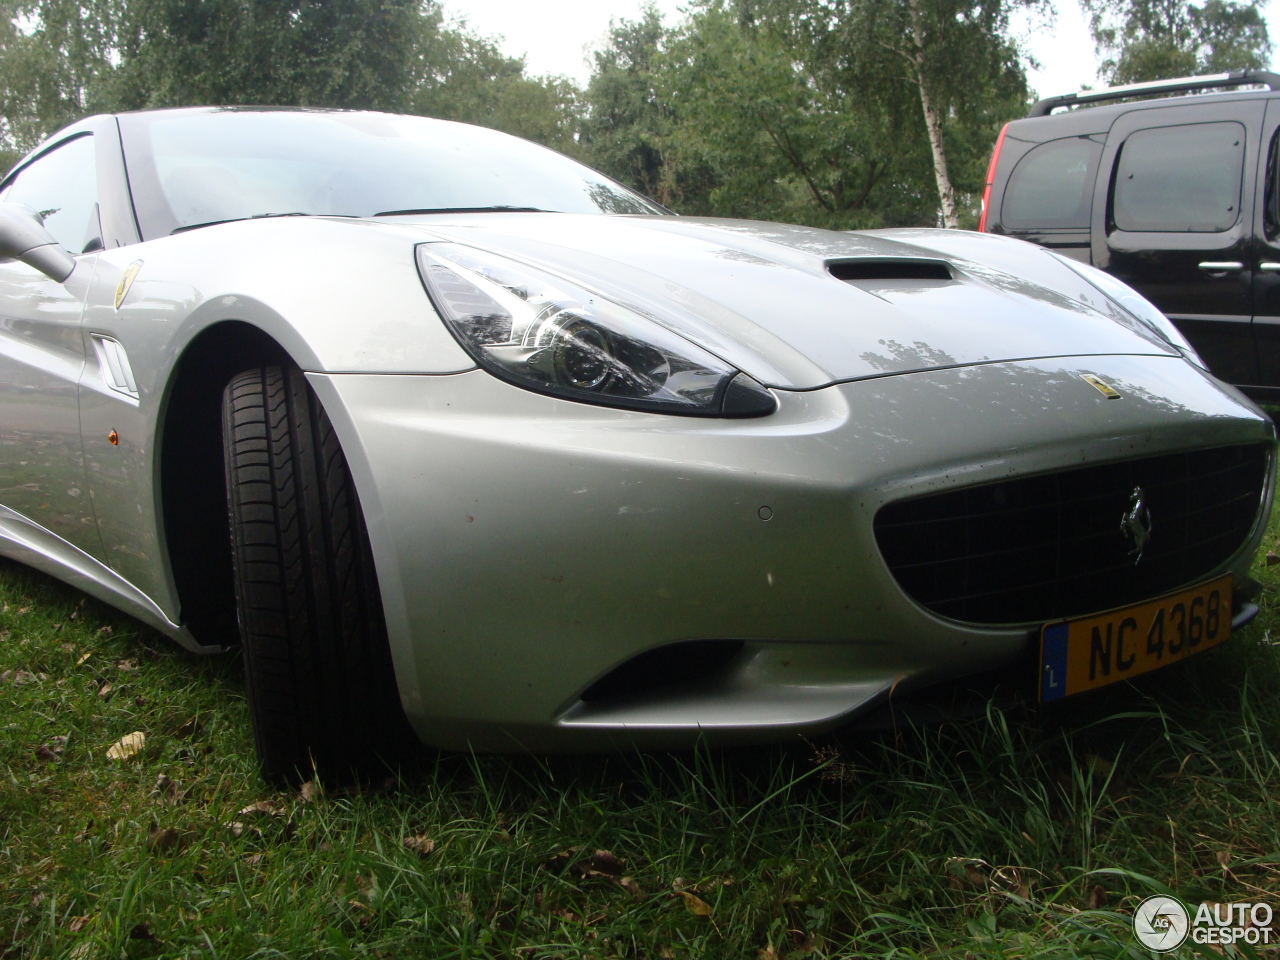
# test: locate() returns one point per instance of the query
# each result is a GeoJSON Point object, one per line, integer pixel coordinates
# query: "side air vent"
{"type": "Point", "coordinates": [879, 268]}
{"type": "Point", "coordinates": [114, 362]}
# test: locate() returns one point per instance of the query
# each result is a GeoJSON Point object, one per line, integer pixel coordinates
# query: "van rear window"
{"type": "Point", "coordinates": [1182, 179]}
{"type": "Point", "coordinates": [1052, 186]}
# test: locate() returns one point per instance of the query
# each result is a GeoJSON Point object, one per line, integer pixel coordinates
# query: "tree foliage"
{"type": "Point", "coordinates": [1159, 39]}
{"type": "Point", "coordinates": [63, 59]}
{"type": "Point", "coordinates": [805, 110]}
{"type": "Point", "coordinates": [628, 125]}
{"type": "Point", "coordinates": [463, 76]}
{"type": "Point", "coordinates": [840, 113]}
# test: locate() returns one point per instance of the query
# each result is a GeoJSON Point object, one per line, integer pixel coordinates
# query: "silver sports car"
{"type": "Point", "coordinates": [444, 427]}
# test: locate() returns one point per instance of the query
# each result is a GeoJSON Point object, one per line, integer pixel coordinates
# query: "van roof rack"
{"type": "Point", "coordinates": [1236, 78]}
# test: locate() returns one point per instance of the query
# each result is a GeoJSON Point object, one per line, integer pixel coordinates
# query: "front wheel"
{"type": "Point", "coordinates": [318, 671]}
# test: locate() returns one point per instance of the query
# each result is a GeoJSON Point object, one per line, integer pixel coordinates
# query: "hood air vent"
{"type": "Point", "coordinates": [882, 269]}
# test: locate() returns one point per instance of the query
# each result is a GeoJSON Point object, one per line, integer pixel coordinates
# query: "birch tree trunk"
{"type": "Point", "coordinates": [946, 192]}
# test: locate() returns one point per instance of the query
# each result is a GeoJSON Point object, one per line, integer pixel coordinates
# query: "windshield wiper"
{"type": "Point", "coordinates": [254, 216]}
{"type": "Point", "coordinates": [495, 209]}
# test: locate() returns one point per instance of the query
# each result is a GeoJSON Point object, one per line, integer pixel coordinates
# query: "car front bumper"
{"type": "Point", "coordinates": [526, 546]}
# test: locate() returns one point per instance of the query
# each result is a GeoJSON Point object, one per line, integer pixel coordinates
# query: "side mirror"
{"type": "Point", "coordinates": [23, 237]}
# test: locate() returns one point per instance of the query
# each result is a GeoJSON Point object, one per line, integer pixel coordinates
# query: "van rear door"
{"type": "Point", "coordinates": [1167, 221]}
{"type": "Point", "coordinates": [1266, 277]}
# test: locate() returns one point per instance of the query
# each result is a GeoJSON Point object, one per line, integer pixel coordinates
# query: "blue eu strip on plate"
{"type": "Point", "coordinates": [1053, 659]}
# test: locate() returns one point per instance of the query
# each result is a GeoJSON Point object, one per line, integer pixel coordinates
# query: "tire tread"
{"type": "Point", "coordinates": [318, 670]}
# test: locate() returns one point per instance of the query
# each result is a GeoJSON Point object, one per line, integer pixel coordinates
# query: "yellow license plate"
{"type": "Point", "coordinates": [1091, 652]}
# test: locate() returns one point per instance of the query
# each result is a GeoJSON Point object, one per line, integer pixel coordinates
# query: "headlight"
{"type": "Point", "coordinates": [547, 334]}
{"type": "Point", "coordinates": [1135, 304]}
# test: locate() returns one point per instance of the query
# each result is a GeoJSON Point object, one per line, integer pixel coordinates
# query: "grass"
{"type": "Point", "coordinates": [1018, 834]}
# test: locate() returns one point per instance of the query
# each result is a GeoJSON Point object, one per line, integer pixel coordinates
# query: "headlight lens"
{"type": "Point", "coordinates": [1137, 305]}
{"type": "Point", "coordinates": [547, 334]}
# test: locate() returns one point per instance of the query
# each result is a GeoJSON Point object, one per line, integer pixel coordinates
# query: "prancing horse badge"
{"type": "Point", "coordinates": [1136, 524]}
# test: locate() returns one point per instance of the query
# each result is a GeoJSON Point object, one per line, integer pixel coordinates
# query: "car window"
{"type": "Point", "coordinates": [194, 168]}
{"type": "Point", "coordinates": [1271, 202]}
{"type": "Point", "coordinates": [62, 186]}
{"type": "Point", "coordinates": [1183, 179]}
{"type": "Point", "coordinates": [1052, 186]}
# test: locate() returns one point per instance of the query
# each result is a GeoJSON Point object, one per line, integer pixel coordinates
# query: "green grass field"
{"type": "Point", "coordinates": [1013, 834]}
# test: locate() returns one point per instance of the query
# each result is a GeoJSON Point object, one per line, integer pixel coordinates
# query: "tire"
{"type": "Point", "coordinates": [318, 672]}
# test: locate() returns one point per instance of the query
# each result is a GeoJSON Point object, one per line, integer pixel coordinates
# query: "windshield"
{"type": "Point", "coordinates": [196, 167]}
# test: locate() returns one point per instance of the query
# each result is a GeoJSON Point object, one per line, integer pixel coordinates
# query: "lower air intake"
{"type": "Point", "coordinates": [683, 663]}
{"type": "Point", "coordinates": [1056, 545]}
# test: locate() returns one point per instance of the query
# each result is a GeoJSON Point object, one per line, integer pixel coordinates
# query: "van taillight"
{"type": "Point", "coordinates": [991, 177]}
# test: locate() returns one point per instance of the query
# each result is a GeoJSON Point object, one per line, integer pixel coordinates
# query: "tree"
{"type": "Point", "coordinates": [627, 126]}
{"type": "Point", "coordinates": [463, 76]}
{"type": "Point", "coordinates": [844, 112]}
{"type": "Point", "coordinates": [63, 59]}
{"type": "Point", "coordinates": [1159, 39]}
{"type": "Point", "coordinates": [349, 53]}
{"type": "Point", "coordinates": [956, 58]}
{"type": "Point", "coordinates": [51, 56]}
{"type": "Point", "coordinates": [781, 140]}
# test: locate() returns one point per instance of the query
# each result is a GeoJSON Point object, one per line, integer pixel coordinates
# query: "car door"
{"type": "Point", "coordinates": [1168, 221]}
{"type": "Point", "coordinates": [42, 356]}
{"type": "Point", "coordinates": [1266, 277]}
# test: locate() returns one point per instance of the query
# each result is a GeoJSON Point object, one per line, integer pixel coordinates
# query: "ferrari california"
{"type": "Point", "coordinates": [449, 433]}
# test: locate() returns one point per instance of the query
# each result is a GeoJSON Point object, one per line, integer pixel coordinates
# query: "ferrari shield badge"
{"type": "Point", "coordinates": [1104, 388]}
{"type": "Point", "coordinates": [126, 281]}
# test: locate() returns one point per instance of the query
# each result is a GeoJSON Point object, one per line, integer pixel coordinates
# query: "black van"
{"type": "Point", "coordinates": [1176, 196]}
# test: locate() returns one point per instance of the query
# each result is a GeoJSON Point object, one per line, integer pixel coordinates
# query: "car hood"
{"type": "Point", "coordinates": [767, 297]}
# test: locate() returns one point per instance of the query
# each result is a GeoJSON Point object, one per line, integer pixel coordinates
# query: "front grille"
{"type": "Point", "coordinates": [1051, 546]}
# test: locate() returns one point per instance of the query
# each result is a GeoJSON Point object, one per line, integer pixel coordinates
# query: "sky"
{"type": "Point", "coordinates": [555, 36]}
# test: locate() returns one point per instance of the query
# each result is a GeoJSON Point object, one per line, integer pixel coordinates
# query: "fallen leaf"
{"type": "Point", "coordinates": [19, 677]}
{"type": "Point", "coordinates": [1097, 897]}
{"type": "Point", "coordinates": [163, 838]}
{"type": "Point", "coordinates": [252, 860]}
{"type": "Point", "coordinates": [187, 730]}
{"type": "Point", "coordinates": [82, 951]}
{"type": "Point", "coordinates": [1224, 859]}
{"type": "Point", "coordinates": [629, 884]}
{"type": "Point", "coordinates": [309, 791]}
{"type": "Point", "coordinates": [767, 953]}
{"type": "Point", "coordinates": [127, 666]}
{"type": "Point", "coordinates": [602, 863]}
{"type": "Point", "coordinates": [48, 753]}
{"type": "Point", "coordinates": [164, 787]}
{"type": "Point", "coordinates": [422, 845]}
{"type": "Point", "coordinates": [83, 657]}
{"type": "Point", "coordinates": [695, 905]}
{"type": "Point", "coordinates": [561, 860]}
{"type": "Point", "coordinates": [261, 806]}
{"type": "Point", "coordinates": [105, 691]}
{"type": "Point", "coordinates": [127, 746]}
{"type": "Point", "coordinates": [69, 647]}
{"type": "Point", "coordinates": [76, 924]}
